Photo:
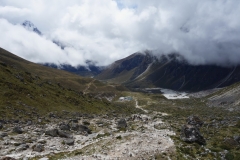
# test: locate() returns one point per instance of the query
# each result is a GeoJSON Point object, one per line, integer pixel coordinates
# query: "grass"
{"type": "Point", "coordinates": [29, 91]}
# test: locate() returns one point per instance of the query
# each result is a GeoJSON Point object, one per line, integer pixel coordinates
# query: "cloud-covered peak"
{"type": "Point", "coordinates": [31, 27]}
{"type": "Point", "coordinates": [204, 32]}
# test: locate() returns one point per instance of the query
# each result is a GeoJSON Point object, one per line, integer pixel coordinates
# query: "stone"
{"type": "Point", "coordinates": [122, 124]}
{"type": "Point", "coordinates": [22, 147]}
{"type": "Point", "coordinates": [3, 134]}
{"type": "Point", "coordinates": [191, 133]}
{"type": "Point", "coordinates": [1, 125]}
{"type": "Point", "coordinates": [52, 132]}
{"type": "Point", "coordinates": [64, 127]}
{"type": "Point", "coordinates": [74, 126]}
{"type": "Point", "coordinates": [18, 130]}
{"type": "Point", "coordinates": [7, 158]}
{"type": "Point", "coordinates": [64, 134]}
{"type": "Point", "coordinates": [194, 120]}
{"type": "Point", "coordinates": [237, 139]}
{"type": "Point", "coordinates": [38, 148]}
{"type": "Point", "coordinates": [83, 128]}
{"type": "Point", "coordinates": [69, 141]}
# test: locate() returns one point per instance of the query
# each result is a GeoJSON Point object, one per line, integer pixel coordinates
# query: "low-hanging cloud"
{"type": "Point", "coordinates": [204, 32]}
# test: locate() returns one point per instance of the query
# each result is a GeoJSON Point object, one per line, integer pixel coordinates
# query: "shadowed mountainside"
{"type": "Point", "coordinates": [168, 71]}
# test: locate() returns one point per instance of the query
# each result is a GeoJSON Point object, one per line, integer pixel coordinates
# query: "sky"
{"type": "Point", "coordinates": [103, 31]}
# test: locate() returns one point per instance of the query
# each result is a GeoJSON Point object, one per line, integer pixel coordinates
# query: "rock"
{"type": "Point", "coordinates": [18, 130]}
{"type": "Point", "coordinates": [22, 147]}
{"type": "Point", "coordinates": [237, 139]}
{"type": "Point", "coordinates": [121, 124]}
{"type": "Point", "coordinates": [64, 127]}
{"type": "Point", "coordinates": [69, 141]}
{"type": "Point", "coordinates": [7, 158]}
{"type": "Point", "coordinates": [38, 148]}
{"type": "Point", "coordinates": [4, 134]}
{"type": "Point", "coordinates": [64, 134]}
{"type": "Point", "coordinates": [74, 126]}
{"type": "Point", "coordinates": [52, 132]}
{"type": "Point", "coordinates": [194, 120]}
{"type": "Point", "coordinates": [191, 133]}
{"type": "Point", "coordinates": [230, 142]}
{"type": "Point", "coordinates": [83, 128]}
{"type": "Point", "coordinates": [42, 141]}
{"type": "Point", "coordinates": [1, 125]}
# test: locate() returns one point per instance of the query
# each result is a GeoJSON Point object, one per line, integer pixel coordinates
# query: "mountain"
{"type": "Point", "coordinates": [143, 70]}
{"type": "Point", "coordinates": [89, 70]}
{"type": "Point", "coordinates": [26, 87]}
{"type": "Point", "coordinates": [31, 27]}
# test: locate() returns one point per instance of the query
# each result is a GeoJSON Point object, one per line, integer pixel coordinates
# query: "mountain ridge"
{"type": "Point", "coordinates": [168, 71]}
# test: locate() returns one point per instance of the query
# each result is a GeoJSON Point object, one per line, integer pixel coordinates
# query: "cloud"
{"type": "Point", "coordinates": [205, 32]}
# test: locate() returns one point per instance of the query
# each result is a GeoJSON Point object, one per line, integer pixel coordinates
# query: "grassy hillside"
{"type": "Point", "coordinates": [66, 79]}
{"type": "Point", "coordinates": [29, 90]}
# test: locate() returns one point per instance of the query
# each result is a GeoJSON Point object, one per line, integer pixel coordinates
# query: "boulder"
{"type": "Point", "coordinates": [194, 120]}
{"type": "Point", "coordinates": [64, 127]}
{"type": "Point", "coordinates": [18, 130]}
{"type": "Point", "coordinates": [52, 132]}
{"type": "Point", "coordinates": [83, 128]}
{"type": "Point", "coordinates": [7, 158]}
{"type": "Point", "coordinates": [121, 124]}
{"type": "Point", "coordinates": [3, 134]}
{"type": "Point", "coordinates": [38, 148]}
{"type": "Point", "coordinates": [22, 147]}
{"type": "Point", "coordinates": [69, 141]}
{"type": "Point", "coordinates": [191, 133]}
{"type": "Point", "coordinates": [237, 139]}
{"type": "Point", "coordinates": [64, 134]}
{"type": "Point", "coordinates": [74, 126]}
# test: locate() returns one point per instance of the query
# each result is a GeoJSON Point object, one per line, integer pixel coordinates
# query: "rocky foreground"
{"type": "Point", "coordinates": [88, 137]}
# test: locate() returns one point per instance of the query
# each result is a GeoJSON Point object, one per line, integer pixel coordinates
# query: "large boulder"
{"type": "Point", "coordinates": [52, 132]}
{"type": "Point", "coordinates": [18, 130]}
{"type": "Point", "coordinates": [122, 124]}
{"type": "Point", "coordinates": [191, 133]}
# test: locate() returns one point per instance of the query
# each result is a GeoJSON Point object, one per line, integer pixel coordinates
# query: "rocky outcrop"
{"type": "Point", "coordinates": [191, 131]}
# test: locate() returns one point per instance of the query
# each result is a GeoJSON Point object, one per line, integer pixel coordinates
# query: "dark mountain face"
{"type": "Point", "coordinates": [86, 71]}
{"type": "Point", "coordinates": [171, 71]}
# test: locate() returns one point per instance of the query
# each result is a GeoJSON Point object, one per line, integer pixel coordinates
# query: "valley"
{"type": "Point", "coordinates": [50, 114]}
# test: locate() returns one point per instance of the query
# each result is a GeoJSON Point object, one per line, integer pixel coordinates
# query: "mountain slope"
{"type": "Point", "coordinates": [168, 71]}
{"type": "Point", "coordinates": [29, 90]}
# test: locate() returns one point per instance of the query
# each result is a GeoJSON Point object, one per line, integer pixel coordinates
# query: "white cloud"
{"type": "Point", "coordinates": [204, 31]}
